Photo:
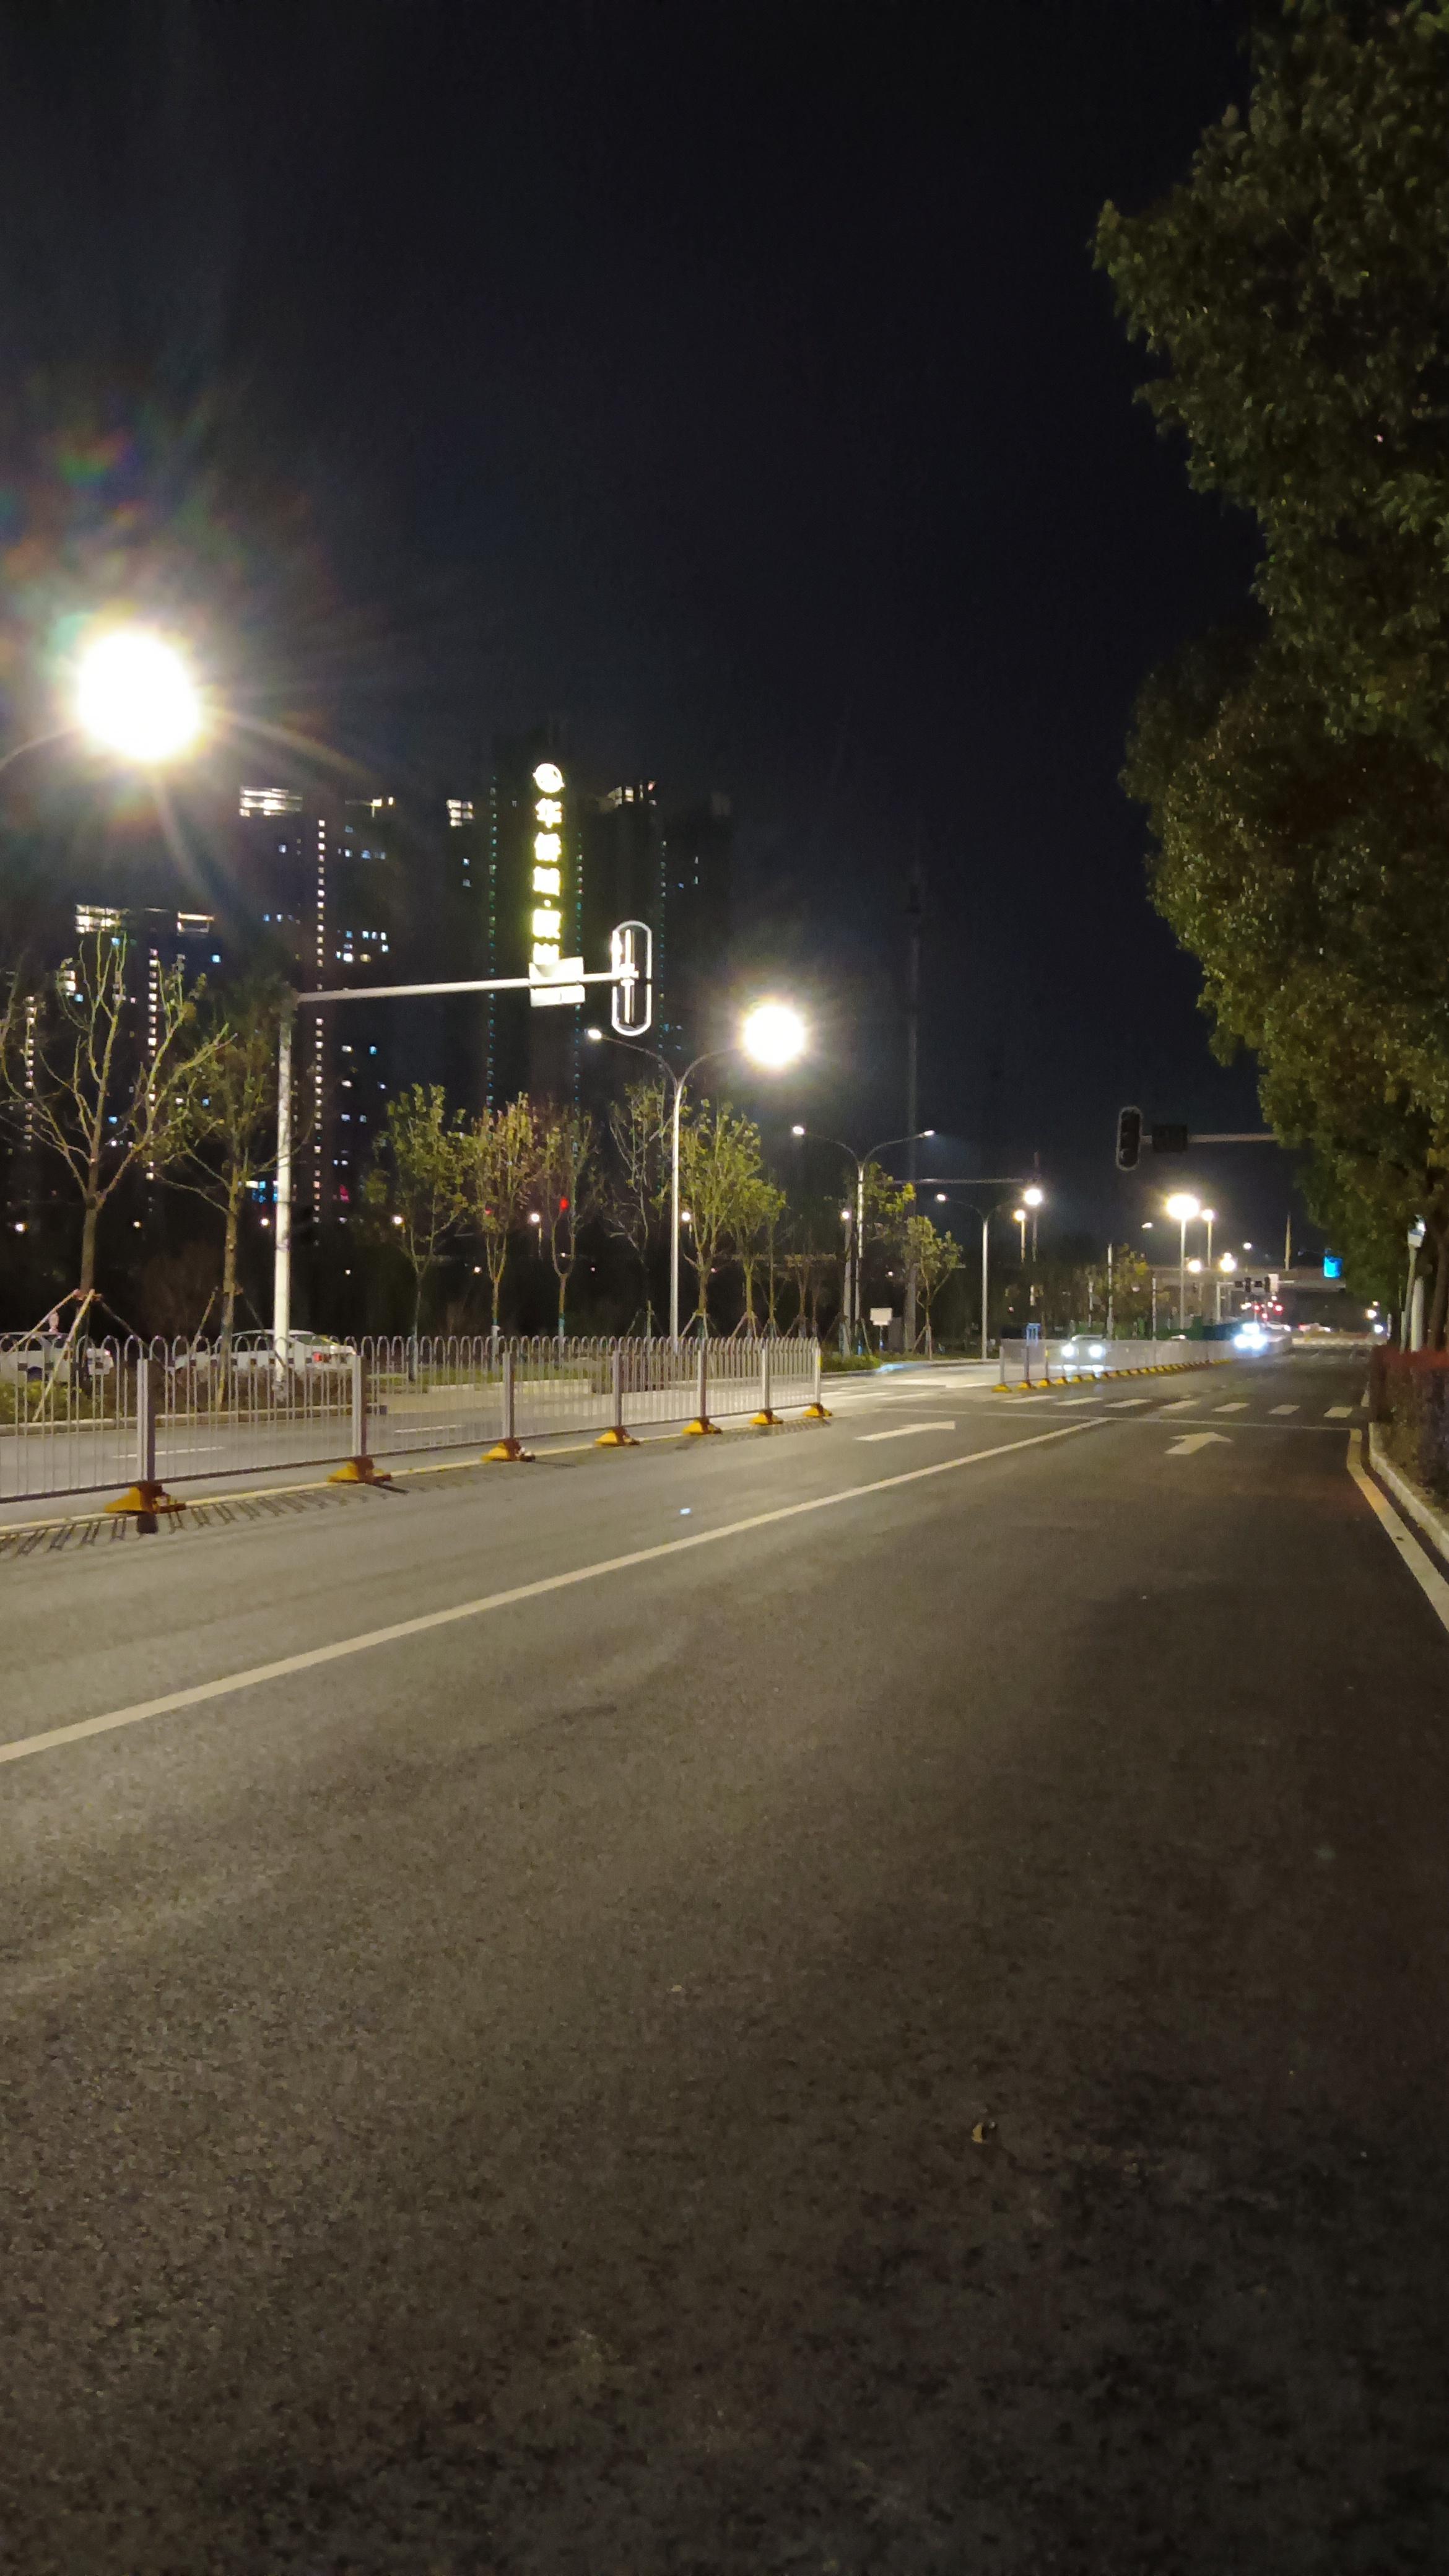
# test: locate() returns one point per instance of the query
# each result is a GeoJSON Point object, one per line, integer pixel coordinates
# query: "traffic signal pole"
{"type": "Point", "coordinates": [622, 973]}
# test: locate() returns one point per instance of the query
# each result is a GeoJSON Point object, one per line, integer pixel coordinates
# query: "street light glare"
{"type": "Point", "coordinates": [596, 1036]}
{"type": "Point", "coordinates": [135, 695]}
{"type": "Point", "coordinates": [773, 1035]}
{"type": "Point", "coordinates": [797, 1131]}
{"type": "Point", "coordinates": [1184, 1207]}
{"type": "Point", "coordinates": [1034, 1197]}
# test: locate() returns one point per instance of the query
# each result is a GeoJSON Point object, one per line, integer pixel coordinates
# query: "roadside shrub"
{"type": "Point", "coordinates": [1409, 1399]}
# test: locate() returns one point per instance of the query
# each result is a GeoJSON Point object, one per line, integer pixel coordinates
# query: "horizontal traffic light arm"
{"type": "Point", "coordinates": [484, 984]}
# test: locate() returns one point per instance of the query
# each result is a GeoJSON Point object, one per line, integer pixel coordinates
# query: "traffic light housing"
{"type": "Point", "coordinates": [1129, 1139]}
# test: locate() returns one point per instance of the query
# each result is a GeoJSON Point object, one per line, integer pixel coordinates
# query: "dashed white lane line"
{"type": "Point", "coordinates": [1124, 1403]}
{"type": "Point", "coordinates": [198, 1693]}
{"type": "Point", "coordinates": [1184, 1404]}
{"type": "Point", "coordinates": [1338, 1413]}
{"type": "Point", "coordinates": [1418, 1560]}
{"type": "Point", "coordinates": [1285, 1408]}
{"type": "Point", "coordinates": [905, 1431]}
{"type": "Point", "coordinates": [1240, 1407]}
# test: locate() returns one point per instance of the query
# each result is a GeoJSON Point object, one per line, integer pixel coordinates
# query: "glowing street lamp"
{"type": "Point", "coordinates": [773, 1035]}
{"type": "Point", "coordinates": [1184, 1207]}
{"type": "Point", "coordinates": [850, 1304]}
{"type": "Point", "coordinates": [134, 695]}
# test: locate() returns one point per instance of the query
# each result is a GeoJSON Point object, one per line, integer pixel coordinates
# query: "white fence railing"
{"type": "Point", "coordinates": [102, 1415]}
{"type": "Point", "coordinates": [1087, 1356]}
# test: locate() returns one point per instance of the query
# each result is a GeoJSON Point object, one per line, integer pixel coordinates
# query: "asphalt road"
{"type": "Point", "coordinates": [900, 2026]}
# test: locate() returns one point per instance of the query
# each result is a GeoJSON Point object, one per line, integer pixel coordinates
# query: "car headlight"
{"type": "Point", "coordinates": [1097, 1351]}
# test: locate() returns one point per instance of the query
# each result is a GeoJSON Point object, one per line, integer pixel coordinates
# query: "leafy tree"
{"type": "Point", "coordinates": [761, 1206]}
{"type": "Point", "coordinates": [498, 1174]}
{"type": "Point", "coordinates": [934, 1256]}
{"type": "Point", "coordinates": [414, 1189]}
{"type": "Point", "coordinates": [1131, 1288]}
{"type": "Point", "coordinates": [227, 1121]}
{"type": "Point", "coordinates": [566, 1190]}
{"type": "Point", "coordinates": [1296, 782]}
{"type": "Point", "coordinates": [76, 1084]}
{"type": "Point", "coordinates": [639, 1182]}
{"type": "Point", "coordinates": [1294, 285]}
{"type": "Point", "coordinates": [720, 1169]}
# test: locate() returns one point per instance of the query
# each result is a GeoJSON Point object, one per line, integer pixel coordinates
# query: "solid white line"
{"type": "Point", "coordinates": [1418, 1560]}
{"type": "Point", "coordinates": [906, 1430]}
{"type": "Point", "coordinates": [200, 1692]}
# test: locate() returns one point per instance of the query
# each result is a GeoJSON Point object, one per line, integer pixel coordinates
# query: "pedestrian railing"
{"type": "Point", "coordinates": [101, 1415]}
{"type": "Point", "coordinates": [1084, 1357]}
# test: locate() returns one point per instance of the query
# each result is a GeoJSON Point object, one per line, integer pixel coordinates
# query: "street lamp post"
{"type": "Point", "coordinates": [771, 1035]}
{"type": "Point", "coordinates": [1184, 1207]}
{"type": "Point", "coordinates": [988, 1181]}
{"type": "Point", "coordinates": [862, 1163]}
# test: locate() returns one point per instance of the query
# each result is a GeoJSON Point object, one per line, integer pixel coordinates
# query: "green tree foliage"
{"type": "Point", "coordinates": [1294, 285]}
{"type": "Point", "coordinates": [933, 1256]}
{"type": "Point", "coordinates": [1297, 782]}
{"type": "Point", "coordinates": [566, 1190]}
{"type": "Point", "coordinates": [227, 1120]}
{"type": "Point", "coordinates": [720, 1169]}
{"type": "Point", "coordinates": [415, 1188]}
{"type": "Point", "coordinates": [498, 1175]}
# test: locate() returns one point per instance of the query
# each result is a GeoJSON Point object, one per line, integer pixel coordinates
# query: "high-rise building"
{"type": "Point", "coordinates": [692, 937]}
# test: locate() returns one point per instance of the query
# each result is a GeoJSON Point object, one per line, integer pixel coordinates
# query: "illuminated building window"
{"type": "Point", "coordinates": [269, 800]}
{"type": "Point", "coordinates": [460, 811]}
{"type": "Point", "coordinates": [97, 916]}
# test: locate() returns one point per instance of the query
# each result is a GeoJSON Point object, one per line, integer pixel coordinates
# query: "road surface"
{"type": "Point", "coordinates": [867, 1997]}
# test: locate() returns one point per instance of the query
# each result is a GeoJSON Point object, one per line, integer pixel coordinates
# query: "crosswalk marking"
{"type": "Point", "coordinates": [1184, 1404]}
{"type": "Point", "coordinates": [1285, 1408]}
{"type": "Point", "coordinates": [905, 1430]}
{"type": "Point", "coordinates": [1124, 1403]}
{"type": "Point", "coordinates": [1241, 1407]}
{"type": "Point", "coordinates": [1338, 1413]}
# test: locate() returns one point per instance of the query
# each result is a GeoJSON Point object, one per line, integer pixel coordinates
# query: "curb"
{"type": "Point", "coordinates": [1428, 1520]}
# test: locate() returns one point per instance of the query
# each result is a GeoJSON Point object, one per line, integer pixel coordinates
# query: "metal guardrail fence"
{"type": "Point", "coordinates": [1089, 1355]}
{"type": "Point", "coordinates": [99, 1415]}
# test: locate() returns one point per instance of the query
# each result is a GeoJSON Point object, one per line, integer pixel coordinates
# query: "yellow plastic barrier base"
{"type": "Point", "coordinates": [764, 1421]}
{"type": "Point", "coordinates": [816, 1413]}
{"type": "Point", "coordinates": [702, 1429]}
{"type": "Point", "coordinates": [359, 1471]}
{"type": "Point", "coordinates": [615, 1438]}
{"type": "Point", "coordinates": [145, 1500]}
{"type": "Point", "coordinates": [507, 1453]}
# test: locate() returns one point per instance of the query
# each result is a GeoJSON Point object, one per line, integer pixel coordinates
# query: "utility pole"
{"type": "Point", "coordinates": [1110, 1310]}
{"type": "Point", "coordinates": [915, 905]}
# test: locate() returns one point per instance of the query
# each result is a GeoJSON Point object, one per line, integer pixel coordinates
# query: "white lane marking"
{"type": "Point", "coordinates": [311, 1656]}
{"type": "Point", "coordinates": [1338, 1413]}
{"type": "Point", "coordinates": [1069, 1400]}
{"type": "Point", "coordinates": [1197, 1440]}
{"type": "Point", "coordinates": [1124, 1403]}
{"type": "Point", "coordinates": [1285, 1408]}
{"type": "Point", "coordinates": [905, 1431]}
{"type": "Point", "coordinates": [1416, 1557]}
{"type": "Point", "coordinates": [1184, 1404]}
{"type": "Point", "coordinates": [1240, 1407]}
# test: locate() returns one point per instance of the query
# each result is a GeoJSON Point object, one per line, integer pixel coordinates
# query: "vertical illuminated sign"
{"type": "Point", "coordinates": [547, 964]}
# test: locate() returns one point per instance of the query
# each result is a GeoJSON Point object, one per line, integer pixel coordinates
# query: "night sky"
{"type": "Point", "coordinates": [732, 383]}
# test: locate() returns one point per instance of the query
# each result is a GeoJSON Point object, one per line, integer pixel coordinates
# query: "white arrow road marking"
{"type": "Point", "coordinates": [1338, 1413]}
{"type": "Point", "coordinates": [1197, 1440]}
{"type": "Point", "coordinates": [1240, 1407]}
{"type": "Point", "coordinates": [905, 1430]}
{"type": "Point", "coordinates": [1285, 1408]}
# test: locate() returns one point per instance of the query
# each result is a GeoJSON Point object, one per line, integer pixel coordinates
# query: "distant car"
{"type": "Point", "coordinates": [307, 1351]}
{"type": "Point", "coordinates": [1259, 1341]}
{"type": "Point", "coordinates": [1086, 1357]}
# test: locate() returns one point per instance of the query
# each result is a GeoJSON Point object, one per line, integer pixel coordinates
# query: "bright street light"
{"type": "Point", "coordinates": [1228, 1264]}
{"type": "Point", "coordinates": [1034, 1197]}
{"type": "Point", "coordinates": [1184, 1207]}
{"type": "Point", "coordinates": [773, 1035]}
{"type": "Point", "coordinates": [135, 695]}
